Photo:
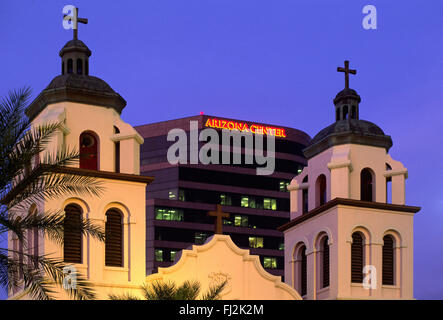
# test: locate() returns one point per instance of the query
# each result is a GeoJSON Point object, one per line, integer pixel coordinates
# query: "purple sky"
{"type": "Point", "coordinates": [265, 61]}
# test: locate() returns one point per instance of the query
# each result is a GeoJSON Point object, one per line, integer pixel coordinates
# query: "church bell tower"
{"type": "Point", "coordinates": [350, 234]}
{"type": "Point", "coordinates": [89, 111]}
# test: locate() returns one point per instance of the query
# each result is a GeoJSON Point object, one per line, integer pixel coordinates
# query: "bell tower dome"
{"type": "Point", "coordinates": [88, 113]}
{"type": "Point", "coordinates": [350, 234]}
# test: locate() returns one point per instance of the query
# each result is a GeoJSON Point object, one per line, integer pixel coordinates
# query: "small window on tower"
{"type": "Point", "coordinates": [88, 151]}
{"type": "Point", "coordinates": [353, 112]}
{"type": "Point", "coordinates": [345, 112]}
{"type": "Point", "coordinates": [70, 66]}
{"type": "Point", "coordinates": [79, 66]}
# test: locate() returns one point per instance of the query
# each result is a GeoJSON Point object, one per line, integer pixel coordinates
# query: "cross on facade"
{"type": "Point", "coordinates": [347, 71]}
{"type": "Point", "coordinates": [219, 214]}
{"type": "Point", "coordinates": [75, 20]}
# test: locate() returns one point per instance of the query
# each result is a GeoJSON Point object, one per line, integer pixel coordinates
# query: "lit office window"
{"type": "Point", "coordinates": [269, 204]}
{"type": "Point", "coordinates": [284, 186]}
{"type": "Point", "coordinates": [251, 202]}
{"type": "Point", "coordinates": [270, 263]}
{"type": "Point", "coordinates": [273, 204]}
{"type": "Point", "coordinates": [225, 200]}
{"type": "Point", "coordinates": [255, 242]}
{"type": "Point", "coordinates": [173, 254]}
{"type": "Point", "coordinates": [244, 201]}
{"type": "Point", "coordinates": [241, 221]}
{"type": "Point", "coordinates": [169, 214]}
{"type": "Point", "coordinates": [181, 195]}
{"type": "Point", "coordinates": [173, 194]}
{"type": "Point", "coordinates": [281, 246]}
{"type": "Point", "coordinates": [200, 237]}
{"type": "Point", "coordinates": [158, 255]}
{"type": "Point", "coordinates": [227, 222]}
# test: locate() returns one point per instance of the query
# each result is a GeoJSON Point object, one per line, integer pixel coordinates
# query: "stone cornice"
{"type": "Point", "coordinates": [348, 202]}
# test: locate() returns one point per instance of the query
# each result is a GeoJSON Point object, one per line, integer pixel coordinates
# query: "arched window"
{"type": "Point", "coordinates": [114, 238]}
{"type": "Point", "coordinates": [305, 198]}
{"type": "Point", "coordinates": [72, 245]}
{"type": "Point", "coordinates": [88, 151]}
{"type": "Point", "coordinates": [33, 242]}
{"type": "Point", "coordinates": [345, 112]}
{"type": "Point", "coordinates": [303, 271]}
{"type": "Point", "coordinates": [117, 151]}
{"type": "Point", "coordinates": [357, 257]}
{"type": "Point", "coordinates": [388, 185]}
{"type": "Point", "coordinates": [325, 261]}
{"type": "Point", "coordinates": [320, 190]}
{"type": "Point", "coordinates": [86, 67]}
{"type": "Point", "coordinates": [366, 185]}
{"type": "Point", "coordinates": [337, 114]}
{"type": "Point", "coordinates": [63, 67]}
{"type": "Point", "coordinates": [388, 260]}
{"type": "Point", "coordinates": [70, 66]}
{"type": "Point", "coordinates": [79, 66]}
{"type": "Point", "coordinates": [20, 257]}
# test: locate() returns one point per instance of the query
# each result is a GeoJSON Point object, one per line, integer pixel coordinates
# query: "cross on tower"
{"type": "Point", "coordinates": [219, 214]}
{"type": "Point", "coordinates": [347, 71]}
{"type": "Point", "coordinates": [75, 20]}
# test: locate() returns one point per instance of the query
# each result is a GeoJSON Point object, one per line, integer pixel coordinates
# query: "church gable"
{"type": "Point", "coordinates": [219, 259]}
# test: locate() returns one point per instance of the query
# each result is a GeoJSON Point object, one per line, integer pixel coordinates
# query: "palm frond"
{"type": "Point", "coordinates": [124, 296]}
{"type": "Point", "coordinates": [159, 290]}
{"type": "Point", "coordinates": [50, 223]}
{"type": "Point", "coordinates": [50, 185]}
{"type": "Point", "coordinates": [188, 291]}
{"type": "Point", "coordinates": [41, 277]}
{"type": "Point", "coordinates": [215, 291]}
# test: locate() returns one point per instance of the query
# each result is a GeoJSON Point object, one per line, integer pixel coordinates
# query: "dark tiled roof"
{"type": "Point", "coordinates": [348, 131]}
{"type": "Point", "coordinates": [77, 88]}
{"type": "Point", "coordinates": [73, 80]}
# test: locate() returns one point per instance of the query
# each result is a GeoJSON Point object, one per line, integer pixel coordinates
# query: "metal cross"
{"type": "Point", "coordinates": [219, 214]}
{"type": "Point", "coordinates": [347, 71]}
{"type": "Point", "coordinates": [75, 20]}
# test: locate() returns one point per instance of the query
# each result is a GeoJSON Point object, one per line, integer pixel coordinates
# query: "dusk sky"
{"type": "Point", "coordinates": [270, 61]}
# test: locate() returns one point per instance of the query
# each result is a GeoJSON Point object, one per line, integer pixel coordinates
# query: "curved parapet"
{"type": "Point", "coordinates": [219, 259]}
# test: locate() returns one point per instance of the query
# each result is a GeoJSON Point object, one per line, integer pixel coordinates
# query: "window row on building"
{"type": "Point", "coordinates": [232, 179]}
{"type": "Point", "coordinates": [200, 216]}
{"type": "Point", "coordinates": [228, 199]}
{"type": "Point", "coordinates": [200, 237]}
{"type": "Point", "coordinates": [165, 255]}
{"type": "Point", "coordinates": [359, 259]}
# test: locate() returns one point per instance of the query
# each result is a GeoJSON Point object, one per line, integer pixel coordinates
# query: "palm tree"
{"type": "Point", "coordinates": [20, 186]}
{"type": "Point", "coordinates": [160, 290]}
